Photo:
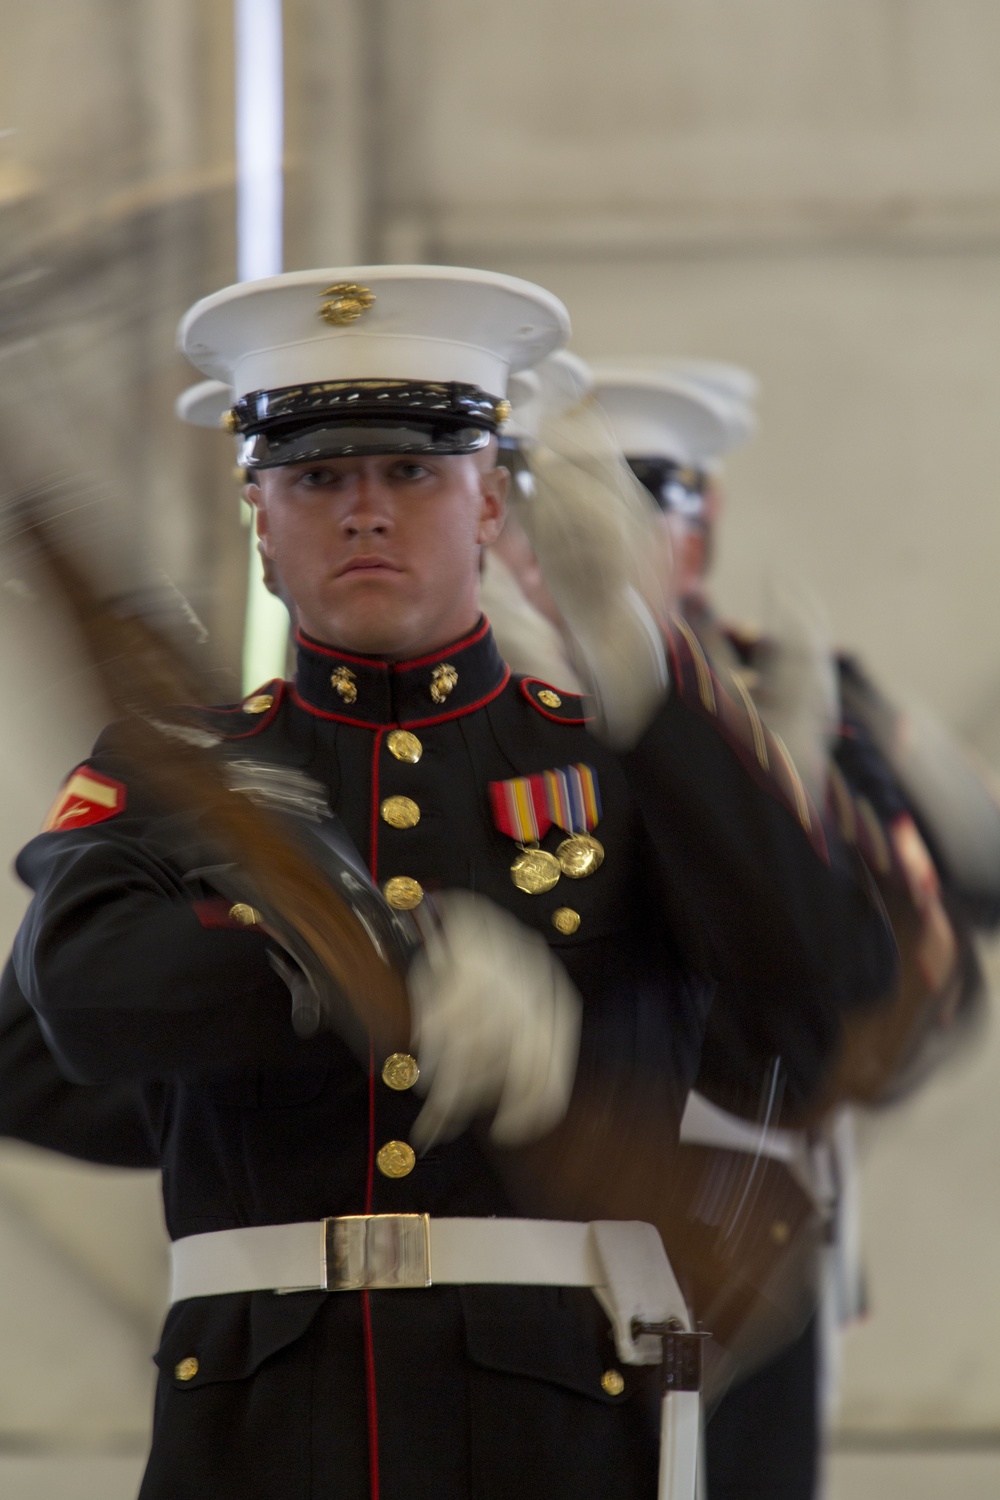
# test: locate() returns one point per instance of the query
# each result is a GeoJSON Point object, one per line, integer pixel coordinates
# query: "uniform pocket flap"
{"type": "Point", "coordinates": [208, 1339]}
{"type": "Point", "coordinates": [556, 1334]}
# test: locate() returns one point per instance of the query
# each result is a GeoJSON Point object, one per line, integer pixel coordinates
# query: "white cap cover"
{"type": "Point", "coordinates": [732, 382]}
{"type": "Point", "coordinates": [656, 415]}
{"type": "Point", "coordinates": [412, 323]}
{"type": "Point", "coordinates": [555, 384]}
{"type": "Point", "coordinates": [204, 404]}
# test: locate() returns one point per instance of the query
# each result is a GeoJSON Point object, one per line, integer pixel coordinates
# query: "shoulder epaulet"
{"type": "Point", "coordinates": [555, 703]}
{"type": "Point", "coordinates": [241, 721]}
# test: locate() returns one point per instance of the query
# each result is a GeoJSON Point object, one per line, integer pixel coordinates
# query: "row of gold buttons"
{"type": "Point", "coordinates": [400, 1071]}
{"type": "Point", "coordinates": [401, 892]}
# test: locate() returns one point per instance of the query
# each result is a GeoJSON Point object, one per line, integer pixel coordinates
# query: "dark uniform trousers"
{"type": "Point", "coordinates": [717, 877]}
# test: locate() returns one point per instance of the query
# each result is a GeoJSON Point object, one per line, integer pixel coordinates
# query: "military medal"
{"type": "Point", "coordinates": [575, 805]}
{"type": "Point", "coordinates": [580, 855]}
{"type": "Point", "coordinates": [535, 871]}
{"type": "Point", "coordinates": [526, 807]}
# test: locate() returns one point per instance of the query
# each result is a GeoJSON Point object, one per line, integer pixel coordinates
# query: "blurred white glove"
{"type": "Point", "coordinates": [798, 696]}
{"type": "Point", "coordinates": [593, 529]}
{"type": "Point", "coordinates": [496, 1025]}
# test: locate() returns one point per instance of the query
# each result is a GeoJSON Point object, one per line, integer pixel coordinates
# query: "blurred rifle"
{"type": "Point", "coordinates": [738, 1233]}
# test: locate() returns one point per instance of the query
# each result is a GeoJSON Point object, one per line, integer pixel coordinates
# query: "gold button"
{"type": "Point", "coordinates": [258, 704]}
{"type": "Point", "coordinates": [565, 920]}
{"type": "Point", "coordinates": [400, 812]}
{"type": "Point", "coordinates": [396, 1159]}
{"type": "Point", "coordinates": [400, 1071]}
{"type": "Point", "coordinates": [405, 746]}
{"type": "Point", "coordinates": [247, 916]}
{"type": "Point", "coordinates": [403, 893]}
{"type": "Point", "coordinates": [187, 1369]}
{"type": "Point", "coordinates": [780, 1232]}
{"type": "Point", "coordinates": [612, 1382]}
{"type": "Point", "coordinates": [549, 698]}
{"type": "Point", "coordinates": [229, 421]}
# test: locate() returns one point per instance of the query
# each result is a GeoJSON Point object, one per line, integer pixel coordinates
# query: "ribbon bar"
{"type": "Point", "coordinates": [526, 807]}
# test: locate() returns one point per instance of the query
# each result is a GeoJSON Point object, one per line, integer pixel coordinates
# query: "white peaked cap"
{"type": "Point", "coordinates": [558, 382]}
{"type": "Point", "coordinates": [732, 382]}
{"type": "Point", "coordinates": [204, 404]}
{"type": "Point", "coordinates": [738, 387]}
{"type": "Point", "coordinates": [417, 323]}
{"type": "Point", "coordinates": [658, 415]}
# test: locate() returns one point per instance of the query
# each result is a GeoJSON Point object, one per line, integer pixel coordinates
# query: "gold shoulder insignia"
{"type": "Point", "coordinates": [554, 703]}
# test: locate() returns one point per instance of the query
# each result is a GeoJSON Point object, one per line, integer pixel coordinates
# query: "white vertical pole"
{"type": "Point", "coordinates": [259, 201]}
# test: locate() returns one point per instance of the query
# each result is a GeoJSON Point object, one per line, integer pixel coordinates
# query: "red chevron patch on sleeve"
{"type": "Point", "coordinates": [87, 798]}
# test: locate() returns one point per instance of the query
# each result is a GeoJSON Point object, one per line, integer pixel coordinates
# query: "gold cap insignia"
{"type": "Point", "coordinates": [347, 302]}
{"type": "Point", "coordinates": [343, 679]}
{"type": "Point", "coordinates": [443, 679]}
{"type": "Point", "coordinates": [230, 421]}
{"type": "Point", "coordinates": [501, 412]}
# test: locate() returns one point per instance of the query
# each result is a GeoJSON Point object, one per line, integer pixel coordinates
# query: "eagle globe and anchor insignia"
{"type": "Point", "coordinates": [443, 680]}
{"type": "Point", "coordinates": [526, 807]}
{"type": "Point", "coordinates": [347, 302]}
{"type": "Point", "coordinates": [343, 680]}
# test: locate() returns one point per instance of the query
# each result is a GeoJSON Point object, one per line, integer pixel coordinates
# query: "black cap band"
{"type": "Point", "coordinates": [344, 418]}
{"type": "Point", "coordinates": [676, 488]}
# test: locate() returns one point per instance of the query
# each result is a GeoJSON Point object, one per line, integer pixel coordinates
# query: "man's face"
{"type": "Point", "coordinates": [381, 554]}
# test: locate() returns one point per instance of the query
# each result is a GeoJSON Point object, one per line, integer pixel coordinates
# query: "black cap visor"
{"type": "Point", "coordinates": [677, 490]}
{"type": "Point", "coordinates": [299, 445]}
{"type": "Point", "coordinates": [348, 419]}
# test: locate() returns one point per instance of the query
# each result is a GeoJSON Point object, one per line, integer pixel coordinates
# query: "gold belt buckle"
{"type": "Point", "coordinates": [376, 1252]}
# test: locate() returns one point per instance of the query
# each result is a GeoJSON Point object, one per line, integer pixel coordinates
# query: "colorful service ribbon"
{"type": "Point", "coordinates": [526, 807]}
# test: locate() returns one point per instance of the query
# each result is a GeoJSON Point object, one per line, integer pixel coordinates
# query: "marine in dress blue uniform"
{"type": "Point", "coordinates": [716, 872]}
{"type": "Point", "coordinates": [677, 420]}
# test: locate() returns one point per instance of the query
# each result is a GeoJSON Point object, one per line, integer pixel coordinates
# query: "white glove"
{"type": "Point", "coordinates": [797, 695]}
{"type": "Point", "coordinates": [594, 532]}
{"type": "Point", "coordinates": [496, 1025]}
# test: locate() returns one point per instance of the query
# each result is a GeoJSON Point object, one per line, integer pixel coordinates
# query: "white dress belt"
{"type": "Point", "coordinates": [623, 1263]}
{"type": "Point", "coordinates": [381, 1251]}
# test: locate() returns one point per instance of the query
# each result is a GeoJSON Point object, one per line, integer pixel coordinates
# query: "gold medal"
{"type": "Point", "coordinates": [535, 871]}
{"type": "Point", "coordinates": [580, 855]}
